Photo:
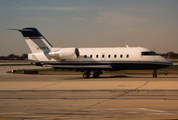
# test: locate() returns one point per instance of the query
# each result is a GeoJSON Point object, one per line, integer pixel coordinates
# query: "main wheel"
{"type": "Point", "coordinates": [96, 74]}
{"type": "Point", "coordinates": [86, 75]}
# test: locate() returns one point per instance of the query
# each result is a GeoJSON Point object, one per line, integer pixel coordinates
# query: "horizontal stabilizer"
{"type": "Point", "coordinates": [21, 30]}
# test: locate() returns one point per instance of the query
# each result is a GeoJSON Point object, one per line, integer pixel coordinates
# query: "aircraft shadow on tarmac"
{"type": "Point", "coordinates": [142, 76]}
{"type": "Point", "coordinates": [120, 76]}
{"type": "Point", "coordinates": [115, 76]}
{"type": "Point", "coordinates": [101, 77]}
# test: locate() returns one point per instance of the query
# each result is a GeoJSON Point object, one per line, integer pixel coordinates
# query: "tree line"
{"type": "Point", "coordinates": [14, 57]}
{"type": "Point", "coordinates": [170, 55]}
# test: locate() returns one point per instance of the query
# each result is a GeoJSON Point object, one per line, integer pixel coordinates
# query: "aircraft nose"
{"type": "Point", "coordinates": [168, 62]}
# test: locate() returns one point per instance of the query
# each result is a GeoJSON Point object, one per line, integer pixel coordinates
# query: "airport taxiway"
{"type": "Point", "coordinates": [31, 97]}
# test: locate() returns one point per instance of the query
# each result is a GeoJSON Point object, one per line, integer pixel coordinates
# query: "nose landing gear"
{"type": "Point", "coordinates": [154, 73]}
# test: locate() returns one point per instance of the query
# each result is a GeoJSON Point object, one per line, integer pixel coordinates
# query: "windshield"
{"type": "Point", "coordinates": [149, 53]}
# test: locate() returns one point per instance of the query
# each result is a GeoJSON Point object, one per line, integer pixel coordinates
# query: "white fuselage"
{"type": "Point", "coordinates": [106, 54]}
{"type": "Point", "coordinates": [118, 58]}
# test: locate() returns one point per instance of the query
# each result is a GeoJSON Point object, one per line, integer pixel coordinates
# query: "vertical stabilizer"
{"type": "Point", "coordinates": [35, 40]}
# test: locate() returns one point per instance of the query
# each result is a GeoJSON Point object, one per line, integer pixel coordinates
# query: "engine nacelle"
{"type": "Point", "coordinates": [65, 53]}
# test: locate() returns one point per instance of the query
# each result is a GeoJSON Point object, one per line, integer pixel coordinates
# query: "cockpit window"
{"type": "Point", "coordinates": [149, 53]}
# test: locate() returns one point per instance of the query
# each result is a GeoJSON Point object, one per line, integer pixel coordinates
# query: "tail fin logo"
{"type": "Point", "coordinates": [42, 48]}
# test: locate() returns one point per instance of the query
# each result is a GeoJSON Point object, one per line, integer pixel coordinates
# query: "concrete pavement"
{"type": "Point", "coordinates": [40, 97]}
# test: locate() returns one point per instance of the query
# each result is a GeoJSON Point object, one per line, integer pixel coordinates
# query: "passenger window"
{"type": "Point", "coordinates": [85, 56]}
{"type": "Point", "coordinates": [90, 56]}
{"type": "Point", "coordinates": [96, 56]}
{"type": "Point", "coordinates": [102, 56]}
{"type": "Point", "coordinates": [109, 56]}
{"type": "Point", "coordinates": [127, 55]}
{"type": "Point", "coordinates": [115, 56]}
{"type": "Point", "coordinates": [121, 56]}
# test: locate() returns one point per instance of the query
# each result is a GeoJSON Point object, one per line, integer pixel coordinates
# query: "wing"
{"type": "Point", "coordinates": [80, 66]}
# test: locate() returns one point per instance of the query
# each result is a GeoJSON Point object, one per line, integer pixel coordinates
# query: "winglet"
{"type": "Point", "coordinates": [126, 45]}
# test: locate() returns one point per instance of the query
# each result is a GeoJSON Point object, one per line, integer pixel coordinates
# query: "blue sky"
{"type": "Point", "coordinates": [91, 23]}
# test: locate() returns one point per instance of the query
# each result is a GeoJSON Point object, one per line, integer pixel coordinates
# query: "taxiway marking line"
{"type": "Point", "coordinates": [48, 117]}
{"type": "Point", "coordinates": [30, 117]}
{"type": "Point", "coordinates": [152, 110]}
{"type": "Point", "coordinates": [161, 118]}
{"type": "Point", "coordinates": [126, 106]}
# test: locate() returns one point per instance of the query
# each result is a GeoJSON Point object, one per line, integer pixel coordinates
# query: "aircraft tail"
{"type": "Point", "coordinates": [35, 40]}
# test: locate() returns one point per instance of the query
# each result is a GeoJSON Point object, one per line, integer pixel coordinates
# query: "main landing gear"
{"type": "Point", "coordinates": [154, 73]}
{"type": "Point", "coordinates": [95, 74]}
{"type": "Point", "coordinates": [86, 74]}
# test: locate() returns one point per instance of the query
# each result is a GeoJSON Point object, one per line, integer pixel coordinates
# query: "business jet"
{"type": "Point", "coordinates": [89, 60]}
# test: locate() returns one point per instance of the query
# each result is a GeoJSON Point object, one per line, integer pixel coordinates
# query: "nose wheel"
{"type": "Point", "coordinates": [154, 73]}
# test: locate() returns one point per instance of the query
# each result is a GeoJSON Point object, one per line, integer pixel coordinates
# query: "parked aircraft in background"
{"type": "Point", "coordinates": [89, 60]}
